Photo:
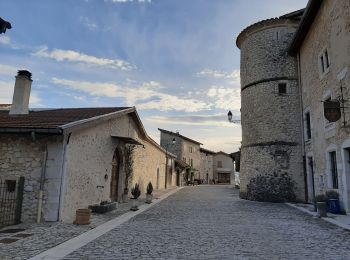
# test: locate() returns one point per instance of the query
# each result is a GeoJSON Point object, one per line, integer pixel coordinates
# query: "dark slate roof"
{"type": "Point", "coordinates": [177, 134]}
{"type": "Point", "coordinates": [181, 164]}
{"type": "Point", "coordinates": [310, 13]}
{"type": "Point", "coordinates": [202, 150]}
{"type": "Point", "coordinates": [51, 118]}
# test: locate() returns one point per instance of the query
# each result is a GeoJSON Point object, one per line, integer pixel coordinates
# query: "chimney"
{"type": "Point", "coordinates": [23, 85]}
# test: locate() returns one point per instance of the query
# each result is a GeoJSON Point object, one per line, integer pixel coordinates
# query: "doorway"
{"type": "Point", "coordinates": [115, 175]}
{"type": "Point", "coordinates": [310, 180]}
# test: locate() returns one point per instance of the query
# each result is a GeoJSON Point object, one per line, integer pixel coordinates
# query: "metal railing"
{"type": "Point", "coordinates": [11, 198]}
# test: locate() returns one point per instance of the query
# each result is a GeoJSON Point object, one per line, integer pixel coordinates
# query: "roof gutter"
{"type": "Point", "coordinates": [13, 130]}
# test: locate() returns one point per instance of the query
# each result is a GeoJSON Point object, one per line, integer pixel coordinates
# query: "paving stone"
{"type": "Point", "coordinates": [211, 222]}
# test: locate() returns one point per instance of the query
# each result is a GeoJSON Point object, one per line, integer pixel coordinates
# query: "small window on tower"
{"type": "Point", "coordinates": [282, 88]}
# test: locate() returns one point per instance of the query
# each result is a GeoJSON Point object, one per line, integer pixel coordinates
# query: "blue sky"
{"type": "Point", "coordinates": [175, 60]}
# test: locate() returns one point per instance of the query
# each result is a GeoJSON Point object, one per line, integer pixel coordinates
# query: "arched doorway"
{"type": "Point", "coordinates": [115, 175]}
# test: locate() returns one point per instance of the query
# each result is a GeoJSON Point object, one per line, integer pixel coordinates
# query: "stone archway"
{"type": "Point", "coordinates": [115, 175]}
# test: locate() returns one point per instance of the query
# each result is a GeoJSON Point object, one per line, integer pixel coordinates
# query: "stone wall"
{"type": "Point", "coordinates": [330, 30]}
{"type": "Point", "coordinates": [22, 156]}
{"type": "Point", "coordinates": [85, 181]}
{"type": "Point", "coordinates": [271, 135]}
{"type": "Point", "coordinates": [227, 165]}
{"type": "Point", "coordinates": [206, 167]}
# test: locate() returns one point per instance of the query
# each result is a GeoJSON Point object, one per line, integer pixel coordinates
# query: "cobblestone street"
{"type": "Point", "coordinates": [211, 222]}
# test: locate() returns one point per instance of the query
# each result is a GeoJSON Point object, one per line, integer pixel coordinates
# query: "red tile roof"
{"type": "Point", "coordinates": [52, 118]}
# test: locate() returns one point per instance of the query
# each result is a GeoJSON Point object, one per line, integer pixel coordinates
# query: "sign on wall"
{"type": "Point", "coordinates": [332, 110]}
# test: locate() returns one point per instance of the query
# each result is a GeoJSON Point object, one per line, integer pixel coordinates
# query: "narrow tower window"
{"type": "Point", "coordinates": [282, 88]}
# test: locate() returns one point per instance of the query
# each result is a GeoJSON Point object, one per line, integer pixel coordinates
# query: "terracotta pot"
{"type": "Point", "coordinates": [149, 198]}
{"type": "Point", "coordinates": [82, 217]}
{"type": "Point", "coordinates": [134, 204]}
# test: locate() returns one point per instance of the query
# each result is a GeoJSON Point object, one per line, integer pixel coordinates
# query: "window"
{"type": "Point", "coordinates": [184, 159]}
{"type": "Point", "coordinates": [191, 162]}
{"type": "Point", "coordinates": [191, 149]}
{"type": "Point", "coordinates": [324, 62]}
{"type": "Point", "coordinates": [334, 170]}
{"type": "Point", "coordinates": [307, 126]}
{"type": "Point", "coordinates": [282, 88]}
{"type": "Point", "coordinates": [219, 164]}
{"type": "Point", "coordinates": [11, 185]}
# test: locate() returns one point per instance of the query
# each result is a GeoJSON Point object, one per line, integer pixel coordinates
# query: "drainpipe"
{"type": "Point", "coordinates": [41, 189]}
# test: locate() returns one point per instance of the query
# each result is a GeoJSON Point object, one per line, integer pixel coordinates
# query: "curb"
{"type": "Point", "coordinates": [71, 245]}
{"type": "Point", "coordinates": [314, 214]}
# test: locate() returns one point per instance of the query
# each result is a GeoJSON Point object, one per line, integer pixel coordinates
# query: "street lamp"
{"type": "Point", "coordinates": [4, 25]}
{"type": "Point", "coordinates": [166, 161]}
{"type": "Point", "coordinates": [229, 117]}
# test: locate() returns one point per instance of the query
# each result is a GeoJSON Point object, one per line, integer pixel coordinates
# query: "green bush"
{"type": "Point", "coordinates": [321, 198]}
{"type": "Point", "coordinates": [271, 188]}
{"type": "Point", "coordinates": [332, 194]}
{"type": "Point", "coordinates": [135, 191]}
{"type": "Point", "coordinates": [149, 188]}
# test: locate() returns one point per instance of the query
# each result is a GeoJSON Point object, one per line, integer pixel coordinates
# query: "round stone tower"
{"type": "Point", "coordinates": [270, 112]}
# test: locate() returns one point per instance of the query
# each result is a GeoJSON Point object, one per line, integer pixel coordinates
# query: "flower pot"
{"type": "Point", "coordinates": [134, 204]}
{"type": "Point", "coordinates": [333, 206]}
{"type": "Point", "coordinates": [103, 208]}
{"type": "Point", "coordinates": [82, 217]}
{"type": "Point", "coordinates": [321, 209]}
{"type": "Point", "coordinates": [149, 198]}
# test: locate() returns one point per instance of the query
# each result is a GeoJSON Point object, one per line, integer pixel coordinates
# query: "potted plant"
{"type": "Point", "coordinates": [103, 207]}
{"type": "Point", "coordinates": [321, 204]}
{"type": "Point", "coordinates": [136, 192]}
{"type": "Point", "coordinates": [149, 195]}
{"type": "Point", "coordinates": [333, 205]}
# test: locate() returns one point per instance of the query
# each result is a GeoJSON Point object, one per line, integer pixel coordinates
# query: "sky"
{"type": "Point", "coordinates": [176, 61]}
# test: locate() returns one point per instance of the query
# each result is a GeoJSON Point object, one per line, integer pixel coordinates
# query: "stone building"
{"type": "Point", "coordinates": [185, 149]}
{"type": "Point", "coordinates": [75, 157]}
{"type": "Point", "coordinates": [206, 166]}
{"type": "Point", "coordinates": [322, 47]}
{"type": "Point", "coordinates": [270, 113]}
{"type": "Point", "coordinates": [292, 68]}
{"type": "Point", "coordinates": [223, 168]}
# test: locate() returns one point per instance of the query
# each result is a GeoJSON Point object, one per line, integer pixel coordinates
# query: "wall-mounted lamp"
{"type": "Point", "coordinates": [229, 117]}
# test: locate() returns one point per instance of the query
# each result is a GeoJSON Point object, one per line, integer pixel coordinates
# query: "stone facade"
{"type": "Point", "coordinates": [22, 156]}
{"type": "Point", "coordinates": [79, 165]}
{"type": "Point", "coordinates": [185, 149]}
{"type": "Point", "coordinates": [223, 168]}
{"type": "Point", "coordinates": [329, 33]}
{"type": "Point", "coordinates": [206, 166]}
{"type": "Point", "coordinates": [270, 113]}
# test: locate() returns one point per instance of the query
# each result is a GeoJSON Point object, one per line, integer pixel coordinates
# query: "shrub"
{"type": "Point", "coordinates": [321, 198]}
{"type": "Point", "coordinates": [332, 194]}
{"type": "Point", "coordinates": [149, 188]}
{"type": "Point", "coordinates": [271, 188]}
{"type": "Point", "coordinates": [135, 191]}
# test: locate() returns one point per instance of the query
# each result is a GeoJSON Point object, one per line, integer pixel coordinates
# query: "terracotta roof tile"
{"type": "Point", "coordinates": [52, 118]}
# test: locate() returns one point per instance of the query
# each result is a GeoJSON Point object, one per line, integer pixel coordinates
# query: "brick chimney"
{"type": "Point", "coordinates": [23, 85]}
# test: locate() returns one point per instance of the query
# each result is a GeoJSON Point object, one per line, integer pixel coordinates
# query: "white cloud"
{"type": "Point", "coordinates": [128, 1]}
{"type": "Point", "coordinates": [92, 26]}
{"type": "Point", "coordinates": [8, 70]}
{"type": "Point", "coordinates": [225, 97]}
{"type": "Point", "coordinates": [233, 77]}
{"type": "Point", "coordinates": [5, 40]}
{"type": "Point", "coordinates": [219, 120]}
{"type": "Point", "coordinates": [74, 56]}
{"type": "Point", "coordinates": [146, 96]}
{"type": "Point", "coordinates": [6, 90]}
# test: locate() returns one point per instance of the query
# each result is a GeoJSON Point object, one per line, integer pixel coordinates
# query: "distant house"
{"type": "Point", "coordinates": [206, 167]}
{"type": "Point", "coordinates": [185, 149]}
{"type": "Point", "coordinates": [74, 157]}
{"type": "Point", "coordinates": [223, 168]}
